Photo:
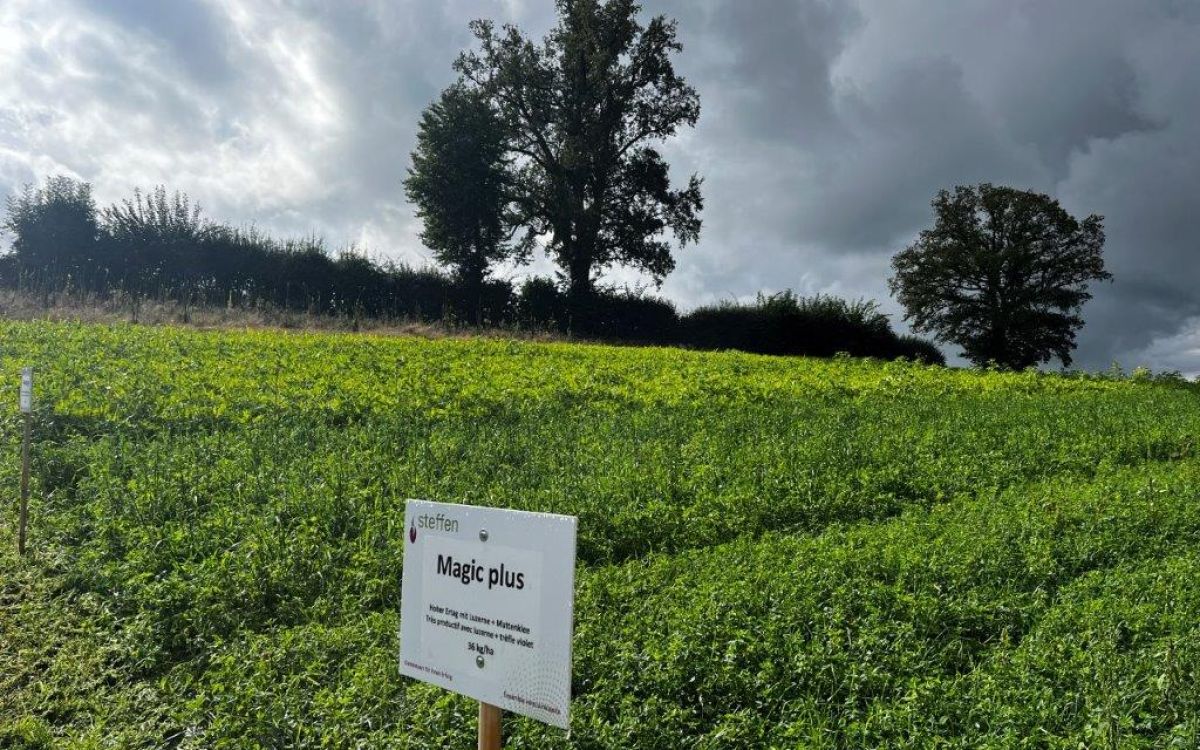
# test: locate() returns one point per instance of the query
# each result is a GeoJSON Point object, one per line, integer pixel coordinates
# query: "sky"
{"type": "Point", "coordinates": [826, 128]}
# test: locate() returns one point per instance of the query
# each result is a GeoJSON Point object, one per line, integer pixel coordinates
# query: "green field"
{"type": "Point", "coordinates": [772, 552]}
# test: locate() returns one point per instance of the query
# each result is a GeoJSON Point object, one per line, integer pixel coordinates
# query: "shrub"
{"type": "Point", "coordinates": [627, 316]}
{"type": "Point", "coordinates": [919, 349]}
{"type": "Point", "coordinates": [786, 323]}
{"type": "Point", "coordinates": [540, 305]}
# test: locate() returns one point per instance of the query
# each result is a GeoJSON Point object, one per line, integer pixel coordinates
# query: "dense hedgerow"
{"type": "Point", "coordinates": [158, 246]}
{"type": "Point", "coordinates": [773, 552]}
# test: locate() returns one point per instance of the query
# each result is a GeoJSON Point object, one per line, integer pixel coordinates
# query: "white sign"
{"type": "Point", "coordinates": [487, 604]}
{"type": "Point", "coordinates": [26, 389]}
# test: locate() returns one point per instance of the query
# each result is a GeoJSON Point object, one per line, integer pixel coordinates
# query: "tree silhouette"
{"type": "Point", "coordinates": [581, 113]}
{"type": "Point", "coordinates": [1003, 273]}
{"type": "Point", "coordinates": [154, 238]}
{"type": "Point", "coordinates": [459, 185]}
{"type": "Point", "coordinates": [54, 230]}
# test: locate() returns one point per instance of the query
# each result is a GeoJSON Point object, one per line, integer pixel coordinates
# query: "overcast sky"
{"type": "Point", "coordinates": [826, 128]}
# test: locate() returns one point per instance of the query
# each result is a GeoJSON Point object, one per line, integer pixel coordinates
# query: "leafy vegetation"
{"type": "Point", "coordinates": [819, 326]}
{"type": "Point", "coordinates": [773, 552]}
{"type": "Point", "coordinates": [1004, 273]}
{"type": "Point", "coordinates": [457, 183]}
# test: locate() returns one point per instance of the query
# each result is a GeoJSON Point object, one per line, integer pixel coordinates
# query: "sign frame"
{"type": "Point", "coordinates": [487, 605]}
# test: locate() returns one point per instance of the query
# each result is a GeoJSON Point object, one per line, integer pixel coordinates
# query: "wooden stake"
{"type": "Point", "coordinates": [489, 727]}
{"type": "Point", "coordinates": [23, 515]}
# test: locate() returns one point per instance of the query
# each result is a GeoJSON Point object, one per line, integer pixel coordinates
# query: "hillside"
{"type": "Point", "coordinates": [773, 552]}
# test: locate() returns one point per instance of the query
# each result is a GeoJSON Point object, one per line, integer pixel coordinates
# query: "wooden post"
{"type": "Point", "coordinates": [23, 515]}
{"type": "Point", "coordinates": [489, 727]}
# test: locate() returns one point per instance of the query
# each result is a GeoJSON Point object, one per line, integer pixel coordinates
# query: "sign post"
{"type": "Point", "coordinates": [489, 727]}
{"type": "Point", "coordinates": [26, 415]}
{"type": "Point", "coordinates": [486, 609]}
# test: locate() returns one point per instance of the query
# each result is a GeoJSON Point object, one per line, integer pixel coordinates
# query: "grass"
{"type": "Point", "coordinates": [79, 306]}
{"type": "Point", "coordinates": [773, 552]}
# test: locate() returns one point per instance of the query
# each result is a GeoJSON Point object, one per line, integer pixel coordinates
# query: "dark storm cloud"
{"type": "Point", "coordinates": [914, 130]}
{"type": "Point", "coordinates": [827, 126]}
{"type": "Point", "coordinates": [776, 83]}
{"type": "Point", "coordinates": [1093, 93]}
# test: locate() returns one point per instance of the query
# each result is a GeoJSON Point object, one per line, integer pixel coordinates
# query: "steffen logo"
{"type": "Point", "coordinates": [440, 522]}
{"type": "Point", "coordinates": [412, 534]}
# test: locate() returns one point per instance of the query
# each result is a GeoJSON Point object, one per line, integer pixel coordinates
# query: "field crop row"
{"type": "Point", "coordinates": [1044, 618]}
{"type": "Point", "coordinates": [123, 376]}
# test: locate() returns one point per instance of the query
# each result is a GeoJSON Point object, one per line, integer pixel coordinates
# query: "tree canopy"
{"type": "Point", "coordinates": [581, 113]}
{"type": "Point", "coordinates": [458, 183]}
{"type": "Point", "coordinates": [1003, 273]}
{"type": "Point", "coordinates": [54, 228]}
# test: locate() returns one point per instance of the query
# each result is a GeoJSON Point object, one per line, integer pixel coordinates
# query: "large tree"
{"type": "Point", "coordinates": [459, 183]}
{"type": "Point", "coordinates": [1003, 273]}
{"type": "Point", "coordinates": [582, 112]}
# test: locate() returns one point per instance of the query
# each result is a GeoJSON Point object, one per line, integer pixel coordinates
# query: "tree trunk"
{"type": "Point", "coordinates": [472, 291]}
{"type": "Point", "coordinates": [579, 288]}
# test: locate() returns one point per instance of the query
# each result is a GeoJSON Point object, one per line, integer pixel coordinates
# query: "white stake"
{"type": "Point", "coordinates": [27, 415]}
